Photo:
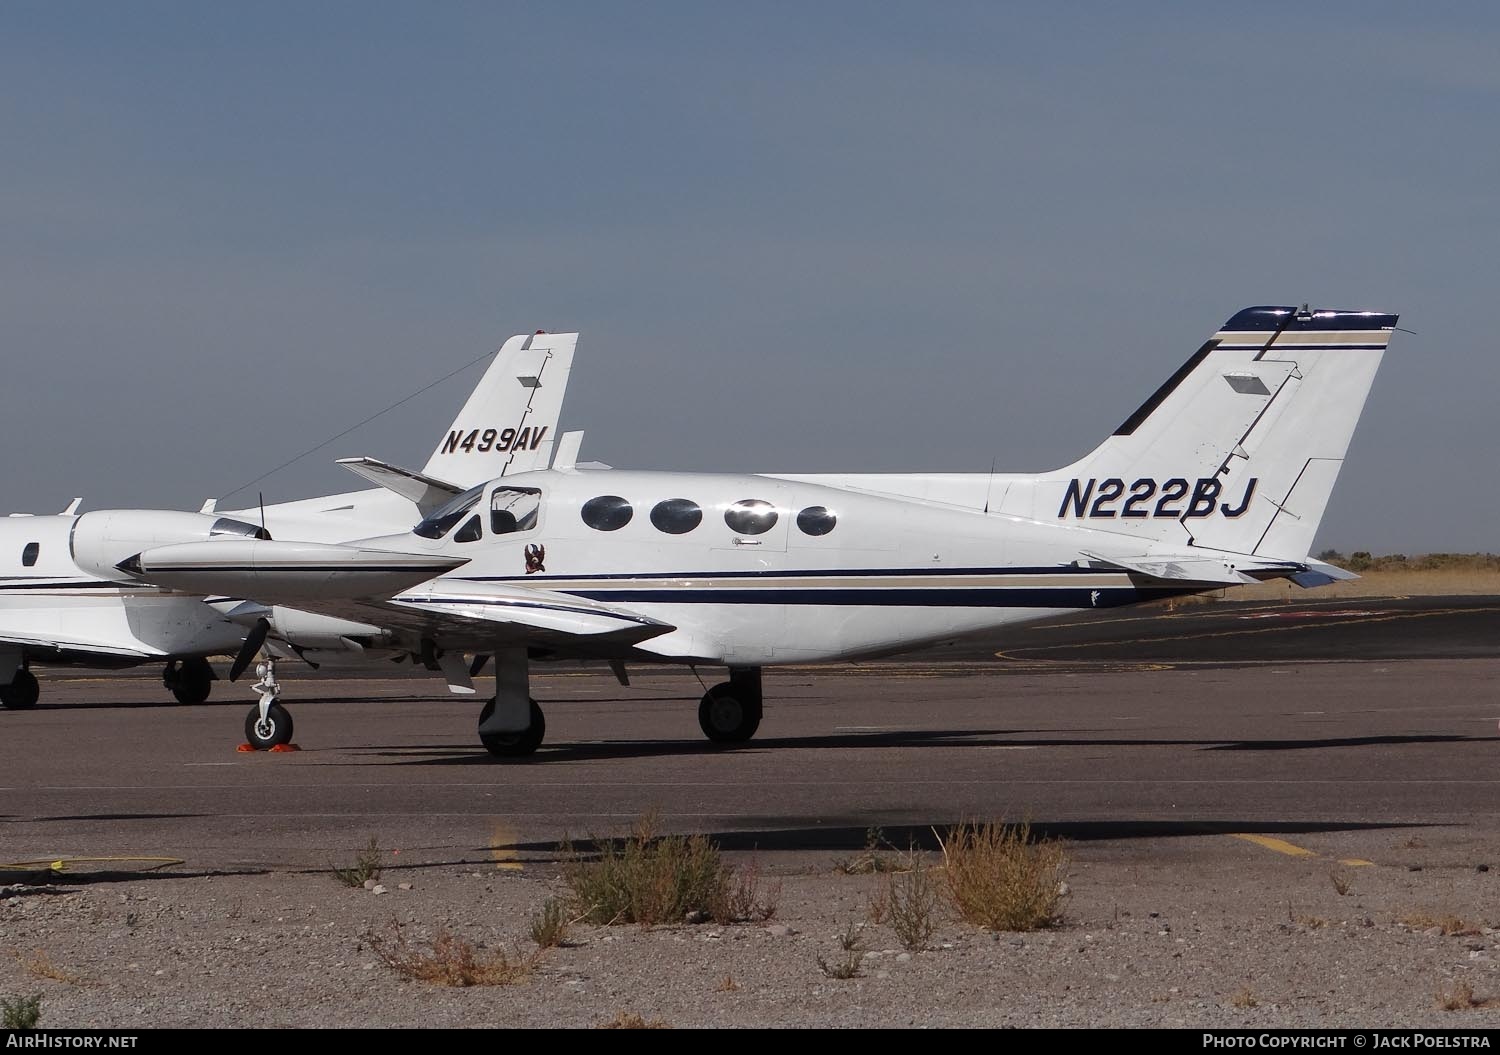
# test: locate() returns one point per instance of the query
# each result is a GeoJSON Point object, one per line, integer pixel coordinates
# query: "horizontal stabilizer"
{"type": "Point", "coordinates": [280, 571]}
{"type": "Point", "coordinates": [1228, 569]}
{"type": "Point", "coordinates": [1318, 573]}
{"type": "Point", "coordinates": [425, 491]}
{"type": "Point", "coordinates": [1178, 569]}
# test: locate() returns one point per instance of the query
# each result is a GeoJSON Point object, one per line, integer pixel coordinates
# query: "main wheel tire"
{"type": "Point", "coordinates": [194, 682]}
{"type": "Point", "coordinates": [514, 745]}
{"type": "Point", "coordinates": [275, 731]}
{"type": "Point", "coordinates": [726, 717]}
{"type": "Point", "coordinates": [22, 693]}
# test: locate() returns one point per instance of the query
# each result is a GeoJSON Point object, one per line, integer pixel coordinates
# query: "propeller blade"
{"type": "Point", "coordinates": [253, 641]}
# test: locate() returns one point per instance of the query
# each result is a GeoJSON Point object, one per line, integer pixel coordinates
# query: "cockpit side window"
{"type": "Point", "coordinates": [514, 509]}
{"type": "Point", "coordinates": [442, 519]}
{"type": "Point", "coordinates": [30, 553]}
{"type": "Point", "coordinates": [470, 532]}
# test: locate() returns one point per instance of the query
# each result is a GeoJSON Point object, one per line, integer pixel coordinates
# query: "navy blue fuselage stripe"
{"type": "Point", "coordinates": [1107, 597]}
{"type": "Point", "coordinates": [102, 585]}
{"type": "Point", "coordinates": [803, 573]}
{"type": "Point", "coordinates": [435, 571]}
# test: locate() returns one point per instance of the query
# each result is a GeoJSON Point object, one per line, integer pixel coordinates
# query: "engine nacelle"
{"type": "Point", "coordinates": [307, 630]}
{"type": "Point", "coordinates": [102, 538]}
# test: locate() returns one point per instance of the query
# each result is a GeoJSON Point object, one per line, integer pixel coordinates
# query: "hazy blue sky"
{"type": "Point", "coordinates": [795, 236]}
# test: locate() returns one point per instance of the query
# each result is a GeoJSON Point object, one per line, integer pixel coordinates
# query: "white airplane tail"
{"type": "Point", "coordinates": [488, 438]}
{"type": "Point", "coordinates": [1237, 452]}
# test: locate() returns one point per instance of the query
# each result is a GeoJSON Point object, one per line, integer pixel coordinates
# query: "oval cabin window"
{"type": "Point", "coordinates": [750, 517]}
{"type": "Point", "coordinates": [676, 516]}
{"type": "Point", "coordinates": [606, 513]}
{"type": "Point", "coordinates": [816, 520]}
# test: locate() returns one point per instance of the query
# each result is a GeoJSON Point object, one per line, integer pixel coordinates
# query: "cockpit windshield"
{"type": "Point", "coordinates": [230, 526]}
{"type": "Point", "coordinates": [441, 520]}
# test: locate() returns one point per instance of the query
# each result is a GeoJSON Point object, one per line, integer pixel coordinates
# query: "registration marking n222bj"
{"type": "Point", "coordinates": [1147, 498]}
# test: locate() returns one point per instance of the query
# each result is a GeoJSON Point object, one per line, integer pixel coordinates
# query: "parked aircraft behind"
{"type": "Point", "coordinates": [62, 601]}
{"type": "Point", "coordinates": [1219, 478]}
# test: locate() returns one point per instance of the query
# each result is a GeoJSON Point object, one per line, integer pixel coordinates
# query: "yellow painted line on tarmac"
{"type": "Point", "coordinates": [1281, 846]}
{"type": "Point", "coordinates": [503, 839]}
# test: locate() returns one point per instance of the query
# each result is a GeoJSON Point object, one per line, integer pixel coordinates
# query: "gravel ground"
{"type": "Point", "coordinates": [1200, 931]}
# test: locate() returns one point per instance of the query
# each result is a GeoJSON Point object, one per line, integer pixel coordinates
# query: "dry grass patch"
{"type": "Point", "coordinates": [999, 879]}
{"type": "Point", "coordinates": [367, 865]}
{"type": "Point", "coordinates": [1340, 881]}
{"type": "Point", "coordinates": [549, 928]}
{"type": "Point", "coordinates": [911, 899]}
{"type": "Point", "coordinates": [852, 945]}
{"type": "Point", "coordinates": [729, 985]}
{"type": "Point", "coordinates": [1449, 925]}
{"type": "Point", "coordinates": [39, 965]}
{"type": "Point", "coordinates": [877, 857]}
{"type": "Point", "coordinates": [652, 879]}
{"type": "Point", "coordinates": [1459, 996]}
{"type": "Point", "coordinates": [631, 1020]}
{"type": "Point", "coordinates": [1244, 999]}
{"type": "Point", "coordinates": [450, 960]}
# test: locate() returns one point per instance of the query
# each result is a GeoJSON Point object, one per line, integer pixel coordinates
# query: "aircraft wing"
{"type": "Point", "coordinates": [75, 644]}
{"type": "Point", "coordinates": [399, 591]}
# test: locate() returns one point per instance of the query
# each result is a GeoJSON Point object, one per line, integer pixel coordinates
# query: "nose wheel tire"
{"type": "Point", "coordinates": [727, 716]}
{"type": "Point", "coordinates": [274, 731]}
{"type": "Point", "coordinates": [22, 693]}
{"type": "Point", "coordinates": [514, 745]}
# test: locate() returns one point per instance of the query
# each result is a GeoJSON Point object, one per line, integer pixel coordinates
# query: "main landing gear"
{"type": "Point", "coordinates": [22, 692]}
{"type": "Point", "coordinates": [190, 680]}
{"type": "Point", "coordinates": [268, 724]}
{"type": "Point", "coordinates": [730, 711]}
{"type": "Point", "coordinates": [511, 724]}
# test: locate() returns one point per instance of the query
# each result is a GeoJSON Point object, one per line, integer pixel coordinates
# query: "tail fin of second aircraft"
{"type": "Point", "coordinates": [509, 424]}
{"type": "Point", "coordinates": [1238, 451]}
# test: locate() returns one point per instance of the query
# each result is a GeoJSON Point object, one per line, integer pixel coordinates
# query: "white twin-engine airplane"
{"type": "Point", "coordinates": [1220, 478]}
{"type": "Point", "coordinates": [63, 601]}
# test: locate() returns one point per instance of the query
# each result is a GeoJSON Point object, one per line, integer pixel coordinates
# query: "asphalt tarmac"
{"type": "Point", "coordinates": [1339, 722]}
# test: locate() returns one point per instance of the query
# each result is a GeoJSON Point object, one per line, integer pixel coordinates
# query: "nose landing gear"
{"type": "Point", "coordinates": [269, 724]}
